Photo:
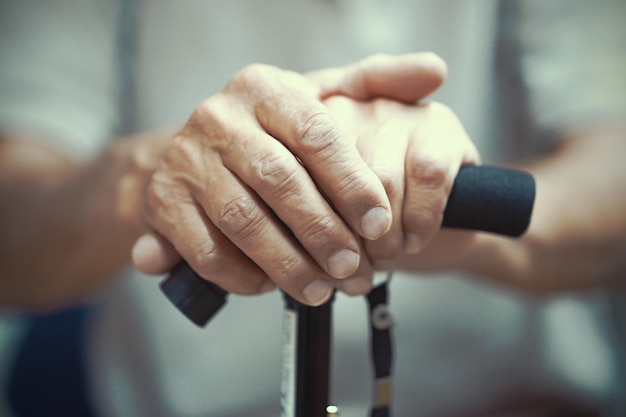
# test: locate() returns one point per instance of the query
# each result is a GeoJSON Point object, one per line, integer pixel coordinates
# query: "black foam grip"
{"type": "Point", "coordinates": [483, 198]}
{"type": "Point", "coordinates": [491, 199]}
{"type": "Point", "coordinates": [197, 298]}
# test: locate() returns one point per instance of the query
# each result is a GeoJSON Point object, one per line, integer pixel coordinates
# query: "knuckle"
{"type": "Point", "coordinates": [429, 172]}
{"type": "Point", "coordinates": [241, 218]}
{"type": "Point", "coordinates": [182, 152]}
{"type": "Point", "coordinates": [277, 173]}
{"type": "Point", "coordinates": [155, 196]}
{"type": "Point", "coordinates": [206, 259]}
{"type": "Point", "coordinates": [250, 75]}
{"type": "Point", "coordinates": [318, 231]}
{"type": "Point", "coordinates": [208, 117]}
{"type": "Point", "coordinates": [161, 195]}
{"type": "Point", "coordinates": [291, 269]}
{"type": "Point", "coordinates": [317, 133]}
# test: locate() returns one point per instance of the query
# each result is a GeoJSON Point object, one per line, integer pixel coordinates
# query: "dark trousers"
{"type": "Point", "coordinates": [47, 378]}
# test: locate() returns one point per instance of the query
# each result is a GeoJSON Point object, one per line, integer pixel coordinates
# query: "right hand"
{"type": "Point", "coordinates": [262, 187]}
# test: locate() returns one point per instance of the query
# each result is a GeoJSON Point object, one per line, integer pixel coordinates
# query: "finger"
{"type": "Point", "coordinates": [193, 167]}
{"type": "Point", "coordinates": [153, 254]}
{"type": "Point", "coordinates": [281, 181]}
{"type": "Point", "coordinates": [385, 156]}
{"type": "Point", "coordinates": [406, 78]}
{"type": "Point", "coordinates": [249, 224]}
{"type": "Point", "coordinates": [309, 131]}
{"type": "Point", "coordinates": [265, 165]}
{"type": "Point", "coordinates": [439, 148]}
{"type": "Point", "coordinates": [360, 283]}
{"type": "Point", "coordinates": [175, 215]}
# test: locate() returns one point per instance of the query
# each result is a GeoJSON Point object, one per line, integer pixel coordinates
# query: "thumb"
{"type": "Point", "coordinates": [407, 78]}
{"type": "Point", "coordinates": [152, 254]}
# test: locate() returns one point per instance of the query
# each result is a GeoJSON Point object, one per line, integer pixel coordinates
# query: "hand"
{"type": "Point", "coordinates": [263, 187]}
{"type": "Point", "coordinates": [416, 151]}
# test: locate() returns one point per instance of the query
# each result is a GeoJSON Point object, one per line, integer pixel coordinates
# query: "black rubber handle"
{"type": "Point", "coordinates": [486, 198]}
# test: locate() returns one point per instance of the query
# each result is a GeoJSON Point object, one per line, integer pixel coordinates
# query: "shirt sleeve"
{"type": "Point", "coordinates": [59, 72]}
{"type": "Point", "coordinates": [573, 61]}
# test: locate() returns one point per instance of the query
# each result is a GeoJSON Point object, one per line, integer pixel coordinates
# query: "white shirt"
{"type": "Point", "coordinates": [463, 346]}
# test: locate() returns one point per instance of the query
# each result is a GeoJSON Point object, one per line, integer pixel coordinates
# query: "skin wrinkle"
{"type": "Point", "coordinates": [163, 193]}
{"type": "Point", "coordinates": [277, 173]}
{"type": "Point", "coordinates": [383, 251]}
{"type": "Point", "coordinates": [315, 134]}
{"type": "Point", "coordinates": [350, 182]}
{"type": "Point", "coordinates": [220, 127]}
{"type": "Point", "coordinates": [233, 133]}
{"type": "Point", "coordinates": [317, 229]}
{"type": "Point", "coordinates": [276, 185]}
{"type": "Point", "coordinates": [208, 258]}
{"type": "Point", "coordinates": [242, 218]}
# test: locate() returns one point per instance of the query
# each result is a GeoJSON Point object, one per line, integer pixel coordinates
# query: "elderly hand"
{"type": "Point", "coordinates": [263, 186]}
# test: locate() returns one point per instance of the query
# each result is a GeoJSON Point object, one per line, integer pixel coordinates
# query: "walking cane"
{"type": "Point", "coordinates": [484, 198]}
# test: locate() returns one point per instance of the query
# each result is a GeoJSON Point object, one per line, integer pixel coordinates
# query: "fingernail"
{"type": "Point", "coordinates": [375, 223]}
{"type": "Point", "coordinates": [413, 243]}
{"type": "Point", "coordinates": [343, 263]}
{"type": "Point", "coordinates": [356, 286]}
{"type": "Point", "coordinates": [317, 292]}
